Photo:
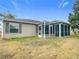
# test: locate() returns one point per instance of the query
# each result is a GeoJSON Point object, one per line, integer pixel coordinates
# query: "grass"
{"type": "Point", "coordinates": [36, 48]}
{"type": "Point", "coordinates": [24, 39]}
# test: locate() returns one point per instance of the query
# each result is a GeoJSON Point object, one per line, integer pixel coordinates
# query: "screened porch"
{"type": "Point", "coordinates": [53, 29]}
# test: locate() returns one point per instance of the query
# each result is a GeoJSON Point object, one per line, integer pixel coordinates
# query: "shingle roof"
{"type": "Point", "coordinates": [35, 21]}
{"type": "Point", "coordinates": [24, 21]}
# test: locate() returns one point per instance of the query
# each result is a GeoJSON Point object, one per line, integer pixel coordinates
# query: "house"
{"type": "Point", "coordinates": [0, 26]}
{"type": "Point", "coordinates": [27, 28]}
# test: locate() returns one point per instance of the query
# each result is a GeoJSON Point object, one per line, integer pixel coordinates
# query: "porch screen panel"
{"type": "Point", "coordinates": [66, 30]}
{"type": "Point", "coordinates": [50, 30]}
{"type": "Point", "coordinates": [69, 30]}
{"type": "Point", "coordinates": [53, 29]}
{"type": "Point", "coordinates": [62, 30]}
{"type": "Point", "coordinates": [57, 30]}
{"type": "Point", "coordinates": [43, 29]}
{"type": "Point", "coordinates": [47, 29]}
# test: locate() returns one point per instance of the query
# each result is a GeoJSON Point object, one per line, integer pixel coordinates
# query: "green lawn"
{"type": "Point", "coordinates": [24, 39]}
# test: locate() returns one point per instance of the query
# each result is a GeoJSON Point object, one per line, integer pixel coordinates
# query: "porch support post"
{"type": "Point", "coordinates": [60, 30]}
{"type": "Point", "coordinates": [49, 30]}
{"type": "Point", "coordinates": [64, 30]}
{"type": "Point", "coordinates": [44, 30]}
{"type": "Point", "coordinates": [52, 30]}
{"type": "Point", "coordinates": [41, 30]}
{"type": "Point", "coordinates": [38, 29]}
{"type": "Point", "coordinates": [67, 30]}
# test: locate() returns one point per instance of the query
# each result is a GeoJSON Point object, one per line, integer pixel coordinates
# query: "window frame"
{"type": "Point", "coordinates": [9, 28]}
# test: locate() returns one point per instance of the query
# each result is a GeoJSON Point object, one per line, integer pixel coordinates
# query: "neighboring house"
{"type": "Point", "coordinates": [27, 28]}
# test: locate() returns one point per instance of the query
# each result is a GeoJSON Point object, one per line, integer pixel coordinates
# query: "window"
{"type": "Point", "coordinates": [13, 28]}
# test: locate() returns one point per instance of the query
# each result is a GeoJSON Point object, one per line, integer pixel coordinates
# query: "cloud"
{"type": "Point", "coordinates": [63, 3]}
{"type": "Point", "coordinates": [15, 4]}
{"type": "Point", "coordinates": [60, 3]}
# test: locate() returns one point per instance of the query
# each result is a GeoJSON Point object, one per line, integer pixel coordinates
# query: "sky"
{"type": "Point", "coordinates": [38, 9]}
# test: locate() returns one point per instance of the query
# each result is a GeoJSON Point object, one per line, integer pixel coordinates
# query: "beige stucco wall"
{"type": "Point", "coordinates": [27, 31]}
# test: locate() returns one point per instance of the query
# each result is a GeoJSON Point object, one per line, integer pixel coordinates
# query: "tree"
{"type": "Point", "coordinates": [74, 16]}
{"type": "Point", "coordinates": [7, 15]}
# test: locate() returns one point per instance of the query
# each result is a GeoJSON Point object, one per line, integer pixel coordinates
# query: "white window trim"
{"type": "Point", "coordinates": [15, 23]}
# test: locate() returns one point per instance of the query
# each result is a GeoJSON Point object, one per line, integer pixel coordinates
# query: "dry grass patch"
{"type": "Point", "coordinates": [64, 48]}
